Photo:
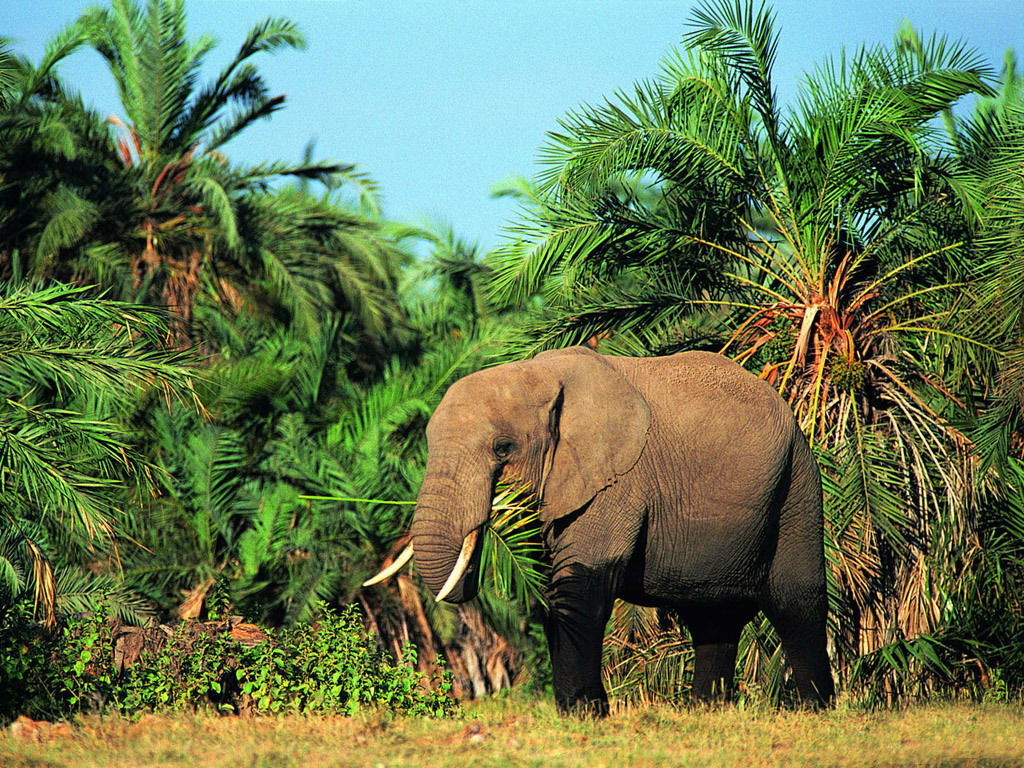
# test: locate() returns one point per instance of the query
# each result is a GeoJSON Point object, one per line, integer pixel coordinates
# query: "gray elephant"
{"type": "Point", "coordinates": [681, 482]}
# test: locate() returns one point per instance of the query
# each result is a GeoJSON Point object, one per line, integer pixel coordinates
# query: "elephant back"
{"type": "Point", "coordinates": [705, 407]}
{"type": "Point", "coordinates": [706, 377]}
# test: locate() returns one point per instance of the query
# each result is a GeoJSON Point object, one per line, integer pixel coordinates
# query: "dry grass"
{"type": "Point", "coordinates": [520, 733]}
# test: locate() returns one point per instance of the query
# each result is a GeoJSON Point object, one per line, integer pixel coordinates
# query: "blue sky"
{"type": "Point", "coordinates": [439, 101]}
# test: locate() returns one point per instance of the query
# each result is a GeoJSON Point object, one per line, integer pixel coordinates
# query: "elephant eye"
{"type": "Point", "coordinates": [502, 448]}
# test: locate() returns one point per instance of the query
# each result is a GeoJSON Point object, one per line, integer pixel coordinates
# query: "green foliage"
{"type": "Point", "coordinates": [318, 374]}
{"type": "Point", "coordinates": [513, 558]}
{"type": "Point", "coordinates": [71, 365]}
{"type": "Point", "coordinates": [29, 678]}
{"type": "Point", "coordinates": [648, 656]}
{"type": "Point", "coordinates": [331, 666]}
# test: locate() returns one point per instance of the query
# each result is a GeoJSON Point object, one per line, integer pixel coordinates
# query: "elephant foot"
{"type": "Point", "coordinates": [584, 709]}
{"type": "Point", "coordinates": [719, 699]}
{"type": "Point", "coordinates": [817, 700]}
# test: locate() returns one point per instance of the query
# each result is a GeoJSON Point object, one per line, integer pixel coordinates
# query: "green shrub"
{"type": "Point", "coordinates": [331, 666]}
{"type": "Point", "coordinates": [29, 681]}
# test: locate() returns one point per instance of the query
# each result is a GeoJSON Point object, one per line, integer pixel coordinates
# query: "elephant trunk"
{"type": "Point", "coordinates": [450, 512]}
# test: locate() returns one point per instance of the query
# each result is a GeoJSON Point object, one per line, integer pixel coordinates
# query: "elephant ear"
{"type": "Point", "coordinates": [599, 424]}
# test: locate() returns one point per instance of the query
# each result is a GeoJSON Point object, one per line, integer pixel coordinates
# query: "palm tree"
{"type": "Point", "coordinates": [75, 204]}
{"type": "Point", "coordinates": [72, 365]}
{"type": "Point", "coordinates": [170, 208]}
{"type": "Point", "coordinates": [323, 377]}
{"type": "Point", "coordinates": [822, 246]}
{"type": "Point", "coordinates": [990, 144]}
{"type": "Point", "coordinates": [305, 260]}
{"type": "Point", "coordinates": [48, 142]}
{"type": "Point", "coordinates": [451, 281]}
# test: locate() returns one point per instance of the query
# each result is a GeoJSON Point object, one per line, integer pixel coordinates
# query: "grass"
{"type": "Point", "coordinates": [519, 732]}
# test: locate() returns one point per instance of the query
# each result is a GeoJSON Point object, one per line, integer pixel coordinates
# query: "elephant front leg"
{"type": "Point", "coordinates": [579, 607]}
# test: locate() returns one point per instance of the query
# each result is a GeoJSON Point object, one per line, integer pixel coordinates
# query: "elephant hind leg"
{"type": "Point", "coordinates": [796, 602]}
{"type": "Point", "coordinates": [804, 643]}
{"type": "Point", "coordinates": [797, 607]}
{"type": "Point", "coordinates": [716, 636]}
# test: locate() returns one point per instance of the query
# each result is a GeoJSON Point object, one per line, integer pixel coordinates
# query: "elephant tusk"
{"type": "Point", "coordinates": [468, 544]}
{"type": "Point", "coordinates": [392, 569]}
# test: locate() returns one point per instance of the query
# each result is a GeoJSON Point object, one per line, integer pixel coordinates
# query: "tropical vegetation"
{"type": "Point", "coordinates": [216, 376]}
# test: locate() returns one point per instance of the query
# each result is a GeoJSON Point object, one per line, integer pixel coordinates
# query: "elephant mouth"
{"type": "Point", "coordinates": [459, 581]}
{"type": "Point", "coordinates": [464, 570]}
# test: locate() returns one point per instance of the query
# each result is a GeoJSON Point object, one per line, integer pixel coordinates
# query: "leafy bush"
{"type": "Point", "coordinates": [27, 678]}
{"type": "Point", "coordinates": [331, 666]}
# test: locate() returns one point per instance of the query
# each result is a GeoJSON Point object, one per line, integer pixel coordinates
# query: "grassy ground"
{"type": "Point", "coordinates": [519, 733]}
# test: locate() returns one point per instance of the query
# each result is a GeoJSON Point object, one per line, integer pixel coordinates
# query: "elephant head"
{"type": "Point", "coordinates": [564, 424]}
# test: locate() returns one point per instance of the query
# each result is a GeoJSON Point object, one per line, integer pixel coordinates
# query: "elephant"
{"type": "Point", "coordinates": [681, 482]}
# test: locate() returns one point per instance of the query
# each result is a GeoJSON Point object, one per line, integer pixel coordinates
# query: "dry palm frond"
{"type": "Point", "coordinates": [646, 655]}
